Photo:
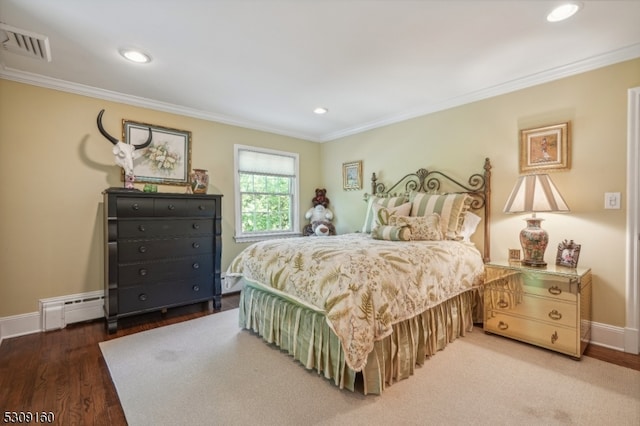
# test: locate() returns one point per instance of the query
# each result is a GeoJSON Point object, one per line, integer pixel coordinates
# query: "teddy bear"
{"type": "Point", "coordinates": [320, 216]}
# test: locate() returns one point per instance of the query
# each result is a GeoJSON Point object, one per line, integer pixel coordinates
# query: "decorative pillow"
{"type": "Point", "coordinates": [391, 233]}
{"type": "Point", "coordinates": [450, 207]}
{"type": "Point", "coordinates": [425, 228]}
{"type": "Point", "coordinates": [469, 225]}
{"type": "Point", "coordinates": [384, 213]}
{"type": "Point", "coordinates": [385, 202]}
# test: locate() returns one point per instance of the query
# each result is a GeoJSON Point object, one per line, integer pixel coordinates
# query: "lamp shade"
{"type": "Point", "coordinates": [535, 193]}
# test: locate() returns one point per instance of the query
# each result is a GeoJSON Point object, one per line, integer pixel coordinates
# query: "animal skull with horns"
{"type": "Point", "coordinates": [124, 153]}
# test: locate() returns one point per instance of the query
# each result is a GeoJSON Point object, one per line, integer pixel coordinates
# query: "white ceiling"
{"type": "Point", "coordinates": [266, 64]}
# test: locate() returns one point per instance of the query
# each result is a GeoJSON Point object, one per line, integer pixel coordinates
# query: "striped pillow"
{"type": "Point", "coordinates": [391, 233]}
{"type": "Point", "coordinates": [371, 213]}
{"type": "Point", "coordinates": [450, 207]}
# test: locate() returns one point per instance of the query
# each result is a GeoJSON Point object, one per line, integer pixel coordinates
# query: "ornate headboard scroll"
{"type": "Point", "coordinates": [478, 186]}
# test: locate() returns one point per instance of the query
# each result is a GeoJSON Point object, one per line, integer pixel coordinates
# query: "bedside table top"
{"type": "Point", "coordinates": [550, 269]}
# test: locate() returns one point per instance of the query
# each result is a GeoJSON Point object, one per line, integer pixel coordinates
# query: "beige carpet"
{"type": "Point", "coordinates": [208, 372]}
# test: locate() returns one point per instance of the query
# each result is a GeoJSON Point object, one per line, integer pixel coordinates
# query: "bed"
{"type": "Point", "coordinates": [365, 309]}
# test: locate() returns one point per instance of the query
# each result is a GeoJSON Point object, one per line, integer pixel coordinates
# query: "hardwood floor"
{"type": "Point", "coordinates": [63, 371]}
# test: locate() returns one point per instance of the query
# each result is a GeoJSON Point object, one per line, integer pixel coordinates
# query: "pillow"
{"type": "Point", "coordinates": [391, 233]}
{"type": "Point", "coordinates": [450, 207]}
{"type": "Point", "coordinates": [469, 225]}
{"type": "Point", "coordinates": [382, 214]}
{"type": "Point", "coordinates": [423, 228]}
{"type": "Point", "coordinates": [385, 202]}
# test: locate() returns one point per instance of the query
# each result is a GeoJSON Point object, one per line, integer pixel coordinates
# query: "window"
{"type": "Point", "coordinates": [266, 183]}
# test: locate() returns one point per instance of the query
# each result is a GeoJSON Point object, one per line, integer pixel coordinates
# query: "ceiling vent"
{"type": "Point", "coordinates": [24, 42]}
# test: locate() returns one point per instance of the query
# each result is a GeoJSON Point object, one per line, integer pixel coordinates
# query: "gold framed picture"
{"type": "Point", "coordinates": [352, 175]}
{"type": "Point", "coordinates": [545, 148]}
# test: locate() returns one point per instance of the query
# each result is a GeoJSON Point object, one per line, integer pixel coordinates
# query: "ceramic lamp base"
{"type": "Point", "coordinates": [534, 242]}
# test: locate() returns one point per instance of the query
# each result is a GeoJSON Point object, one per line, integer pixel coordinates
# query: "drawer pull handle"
{"type": "Point", "coordinates": [196, 226]}
{"type": "Point", "coordinates": [142, 249]}
{"type": "Point", "coordinates": [555, 290]}
{"type": "Point", "coordinates": [195, 245]}
{"type": "Point", "coordinates": [171, 207]}
{"type": "Point", "coordinates": [195, 265]}
{"type": "Point", "coordinates": [554, 337]}
{"type": "Point", "coordinates": [141, 228]}
{"type": "Point", "coordinates": [201, 207]}
{"type": "Point", "coordinates": [196, 288]}
{"type": "Point", "coordinates": [135, 206]}
{"type": "Point", "coordinates": [555, 315]}
{"type": "Point", "coordinates": [503, 325]}
{"type": "Point", "coordinates": [142, 297]}
{"type": "Point", "coordinates": [503, 304]}
{"type": "Point", "coordinates": [142, 272]}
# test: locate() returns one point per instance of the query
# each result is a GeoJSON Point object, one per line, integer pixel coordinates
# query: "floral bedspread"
{"type": "Point", "coordinates": [363, 285]}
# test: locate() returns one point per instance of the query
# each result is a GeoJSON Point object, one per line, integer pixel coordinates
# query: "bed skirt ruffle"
{"type": "Point", "coordinates": [304, 334]}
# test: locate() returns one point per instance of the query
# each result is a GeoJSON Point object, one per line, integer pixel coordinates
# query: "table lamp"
{"type": "Point", "coordinates": [532, 194]}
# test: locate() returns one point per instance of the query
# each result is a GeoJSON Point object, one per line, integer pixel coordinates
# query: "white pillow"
{"type": "Point", "coordinates": [469, 225]}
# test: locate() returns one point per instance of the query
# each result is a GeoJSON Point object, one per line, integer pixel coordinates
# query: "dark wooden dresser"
{"type": "Point", "coordinates": [161, 250]}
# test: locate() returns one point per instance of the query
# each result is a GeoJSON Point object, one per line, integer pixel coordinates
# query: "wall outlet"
{"type": "Point", "coordinates": [612, 200]}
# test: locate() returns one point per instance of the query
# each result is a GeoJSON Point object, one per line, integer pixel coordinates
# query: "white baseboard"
{"type": "Point", "coordinates": [608, 336]}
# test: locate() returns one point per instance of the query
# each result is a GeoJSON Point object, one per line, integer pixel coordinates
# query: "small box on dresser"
{"type": "Point", "coordinates": [161, 250]}
{"type": "Point", "coordinates": [548, 307]}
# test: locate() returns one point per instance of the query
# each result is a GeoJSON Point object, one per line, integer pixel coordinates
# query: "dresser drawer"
{"type": "Point", "coordinates": [561, 339]}
{"type": "Point", "coordinates": [202, 207]}
{"type": "Point", "coordinates": [148, 228]}
{"type": "Point", "coordinates": [140, 250]}
{"type": "Point", "coordinates": [538, 308]}
{"type": "Point", "coordinates": [134, 206]}
{"type": "Point", "coordinates": [165, 270]}
{"type": "Point", "coordinates": [534, 284]}
{"type": "Point", "coordinates": [158, 295]}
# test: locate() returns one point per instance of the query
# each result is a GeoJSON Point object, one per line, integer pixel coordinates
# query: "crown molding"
{"type": "Point", "coordinates": [599, 61]}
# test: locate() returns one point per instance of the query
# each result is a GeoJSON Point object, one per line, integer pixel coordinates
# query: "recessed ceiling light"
{"type": "Point", "coordinates": [562, 12]}
{"type": "Point", "coordinates": [321, 110]}
{"type": "Point", "coordinates": [135, 56]}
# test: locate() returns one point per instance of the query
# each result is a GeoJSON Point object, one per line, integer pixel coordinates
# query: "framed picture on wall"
{"type": "Point", "coordinates": [167, 160]}
{"type": "Point", "coordinates": [545, 148]}
{"type": "Point", "coordinates": [352, 175]}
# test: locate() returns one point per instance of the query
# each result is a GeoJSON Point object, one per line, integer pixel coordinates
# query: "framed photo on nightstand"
{"type": "Point", "coordinates": [568, 254]}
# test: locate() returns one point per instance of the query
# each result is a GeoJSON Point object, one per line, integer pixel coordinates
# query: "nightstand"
{"type": "Point", "coordinates": [548, 307]}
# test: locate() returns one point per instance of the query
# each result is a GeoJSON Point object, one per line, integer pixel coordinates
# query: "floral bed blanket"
{"type": "Point", "coordinates": [363, 285]}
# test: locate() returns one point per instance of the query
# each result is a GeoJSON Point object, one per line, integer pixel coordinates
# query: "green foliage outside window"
{"type": "Point", "coordinates": [266, 202]}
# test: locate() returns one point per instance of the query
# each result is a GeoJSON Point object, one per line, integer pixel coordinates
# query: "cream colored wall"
{"type": "Point", "coordinates": [54, 165]}
{"type": "Point", "coordinates": [458, 140]}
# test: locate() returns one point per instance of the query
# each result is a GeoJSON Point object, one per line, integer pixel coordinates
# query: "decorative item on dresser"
{"type": "Point", "coordinates": [161, 250]}
{"type": "Point", "coordinates": [548, 307]}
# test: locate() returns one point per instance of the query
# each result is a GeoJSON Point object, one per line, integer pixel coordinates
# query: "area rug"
{"type": "Point", "coordinates": [208, 371]}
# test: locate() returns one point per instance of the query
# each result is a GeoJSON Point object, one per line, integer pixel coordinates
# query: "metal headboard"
{"type": "Point", "coordinates": [478, 186]}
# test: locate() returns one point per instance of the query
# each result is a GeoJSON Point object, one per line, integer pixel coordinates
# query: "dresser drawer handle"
{"type": "Point", "coordinates": [503, 304]}
{"type": "Point", "coordinates": [555, 315]}
{"type": "Point", "coordinates": [135, 206]}
{"type": "Point", "coordinates": [171, 207]}
{"type": "Point", "coordinates": [196, 226]}
{"type": "Point", "coordinates": [195, 245]}
{"type": "Point", "coordinates": [196, 265]}
{"type": "Point", "coordinates": [201, 207]}
{"type": "Point", "coordinates": [142, 272]}
{"type": "Point", "coordinates": [555, 290]}
{"type": "Point", "coordinates": [142, 297]}
{"type": "Point", "coordinates": [142, 249]}
{"type": "Point", "coordinates": [141, 228]}
{"type": "Point", "coordinates": [196, 288]}
{"type": "Point", "coordinates": [554, 337]}
{"type": "Point", "coordinates": [503, 325]}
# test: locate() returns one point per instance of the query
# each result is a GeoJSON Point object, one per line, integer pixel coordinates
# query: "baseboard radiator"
{"type": "Point", "coordinates": [57, 312]}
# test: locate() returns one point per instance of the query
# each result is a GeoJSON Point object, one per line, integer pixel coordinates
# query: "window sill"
{"type": "Point", "coordinates": [263, 237]}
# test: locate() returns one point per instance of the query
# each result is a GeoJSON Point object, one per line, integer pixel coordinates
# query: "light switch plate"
{"type": "Point", "coordinates": [611, 200]}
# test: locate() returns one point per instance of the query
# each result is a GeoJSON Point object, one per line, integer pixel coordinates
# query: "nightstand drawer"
{"type": "Point", "coordinates": [561, 339]}
{"type": "Point", "coordinates": [559, 288]}
{"type": "Point", "coordinates": [534, 307]}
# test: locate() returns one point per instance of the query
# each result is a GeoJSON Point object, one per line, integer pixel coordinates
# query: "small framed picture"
{"type": "Point", "coordinates": [514, 255]}
{"type": "Point", "coordinates": [545, 148]}
{"type": "Point", "coordinates": [568, 254]}
{"type": "Point", "coordinates": [352, 175]}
